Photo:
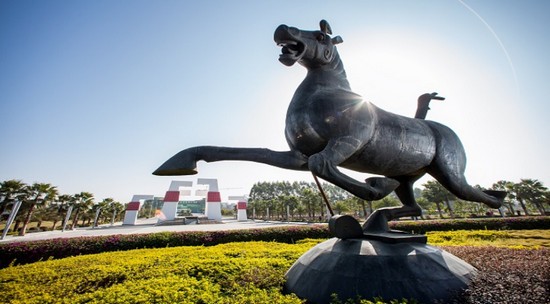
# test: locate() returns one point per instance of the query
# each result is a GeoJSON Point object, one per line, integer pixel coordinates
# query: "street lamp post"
{"type": "Point", "coordinates": [97, 212]}
{"type": "Point", "coordinates": [67, 216]}
{"type": "Point", "coordinates": [13, 214]}
{"type": "Point", "coordinates": [113, 217]}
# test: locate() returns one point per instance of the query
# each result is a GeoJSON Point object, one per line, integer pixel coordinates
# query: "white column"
{"type": "Point", "coordinates": [241, 207]}
{"type": "Point", "coordinates": [171, 200]}
{"type": "Point", "coordinates": [132, 209]}
{"type": "Point", "coordinates": [213, 208]}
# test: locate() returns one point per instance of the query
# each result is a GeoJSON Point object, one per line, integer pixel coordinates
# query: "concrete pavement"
{"type": "Point", "coordinates": [146, 226]}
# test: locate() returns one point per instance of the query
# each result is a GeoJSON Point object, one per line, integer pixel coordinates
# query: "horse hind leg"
{"type": "Point", "coordinates": [449, 165]}
{"type": "Point", "coordinates": [456, 183]}
{"type": "Point", "coordinates": [378, 221]}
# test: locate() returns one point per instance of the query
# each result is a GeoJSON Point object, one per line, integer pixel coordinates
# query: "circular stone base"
{"type": "Point", "coordinates": [367, 269]}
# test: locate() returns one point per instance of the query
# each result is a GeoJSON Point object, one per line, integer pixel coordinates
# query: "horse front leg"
{"type": "Point", "coordinates": [185, 162]}
{"type": "Point", "coordinates": [324, 164]}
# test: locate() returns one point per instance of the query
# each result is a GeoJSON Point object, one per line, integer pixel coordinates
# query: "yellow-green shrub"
{"type": "Point", "coordinates": [251, 272]}
{"type": "Point", "coordinates": [239, 272]}
{"type": "Point", "coordinates": [500, 238]}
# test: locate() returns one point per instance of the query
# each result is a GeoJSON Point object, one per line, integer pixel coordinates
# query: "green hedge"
{"type": "Point", "coordinates": [27, 252]}
{"type": "Point", "coordinates": [493, 223]}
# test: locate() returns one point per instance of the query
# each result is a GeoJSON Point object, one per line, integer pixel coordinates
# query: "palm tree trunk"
{"type": "Point", "coordinates": [16, 226]}
{"type": "Point", "coordinates": [451, 213]}
{"type": "Point", "coordinates": [439, 209]}
{"type": "Point", "coordinates": [511, 207]}
{"type": "Point", "coordinates": [75, 219]}
{"type": "Point", "coordinates": [27, 220]}
{"type": "Point", "coordinates": [364, 207]}
{"type": "Point", "coordinates": [54, 224]}
{"type": "Point", "coordinates": [523, 206]}
{"type": "Point", "coordinates": [539, 207]}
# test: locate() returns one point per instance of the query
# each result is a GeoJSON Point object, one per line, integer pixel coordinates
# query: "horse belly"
{"type": "Point", "coordinates": [301, 135]}
{"type": "Point", "coordinates": [401, 147]}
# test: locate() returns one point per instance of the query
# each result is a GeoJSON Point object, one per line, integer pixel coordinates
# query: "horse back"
{"type": "Point", "coordinates": [398, 146]}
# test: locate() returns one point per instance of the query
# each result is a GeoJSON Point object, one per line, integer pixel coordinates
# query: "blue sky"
{"type": "Point", "coordinates": [95, 95]}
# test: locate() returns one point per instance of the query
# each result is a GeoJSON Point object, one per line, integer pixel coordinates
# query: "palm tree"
{"type": "Point", "coordinates": [310, 200]}
{"type": "Point", "coordinates": [504, 185]}
{"type": "Point", "coordinates": [39, 195]}
{"type": "Point", "coordinates": [424, 204]}
{"type": "Point", "coordinates": [11, 190]}
{"type": "Point", "coordinates": [115, 209]}
{"type": "Point", "coordinates": [100, 207]}
{"type": "Point", "coordinates": [435, 192]}
{"type": "Point", "coordinates": [58, 211]}
{"type": "Point", "coordinates": [341, 207]}
{"type": "Point", "coordinates": [82, 202]}
{"type": "Point", "coordinates": [530, 191]}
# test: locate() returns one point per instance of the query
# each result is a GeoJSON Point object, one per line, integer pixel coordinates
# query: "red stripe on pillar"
{"type": "Point", "coordinates": [172, 196]}
{"type": "Point", "coordinates": [132, 206]}
{"type": "Point", "coordinates": [213, 197]}
{"type": "Point", "coordinates": [241, 205]}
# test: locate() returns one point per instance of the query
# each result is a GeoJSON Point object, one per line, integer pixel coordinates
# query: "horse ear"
{"type": "Point", "coordinates": [325, 27]}
{"type": "Point", "coordinates": [337, 40]}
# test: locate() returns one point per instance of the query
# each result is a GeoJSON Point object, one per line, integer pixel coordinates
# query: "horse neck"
{"type": "Point", "coordinates": [332, 75]}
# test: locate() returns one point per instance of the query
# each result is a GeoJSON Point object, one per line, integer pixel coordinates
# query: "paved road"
{"type": "Point", "coordinates": [145, 226]}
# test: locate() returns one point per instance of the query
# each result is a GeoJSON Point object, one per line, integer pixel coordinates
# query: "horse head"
{"type": "Point", "coordinates": [312, 49]}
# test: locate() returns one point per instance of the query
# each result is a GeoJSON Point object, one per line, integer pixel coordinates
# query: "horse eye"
{"type": "Point", "coordinates": [320, 37]}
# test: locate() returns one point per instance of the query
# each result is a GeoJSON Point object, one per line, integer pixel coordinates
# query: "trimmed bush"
{"type": "Point", "coordinates": [242, 272]}
{"type": "Point", "coordinates": [251, 272]}
{"type": "Point", "coordinates": [519, 239]}
{"type": "Point", "coordinates": [17, 253]}
{"type": "Point", "coordinates": [494, 223]}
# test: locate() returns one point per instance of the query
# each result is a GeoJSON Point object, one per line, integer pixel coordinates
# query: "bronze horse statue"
{"type": "Point", "coordinates": [329, 126]}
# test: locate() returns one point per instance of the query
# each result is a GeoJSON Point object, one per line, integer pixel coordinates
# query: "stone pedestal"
{"type": "Point", "coordinates": [371, 268]}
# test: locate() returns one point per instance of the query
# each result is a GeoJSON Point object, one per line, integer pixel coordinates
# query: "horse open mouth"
{"type": "Point", "coordinates": [291, 52]}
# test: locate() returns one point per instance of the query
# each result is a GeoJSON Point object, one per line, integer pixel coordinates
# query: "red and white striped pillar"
{"type": "Point", "coordinates": [213, 208]}
{"type": "Point", "coordinates": [132, 209]}
{"type": "Point", "coordinates": [241, 207]}
{"type": "Point", "coordinates": [171, 200]}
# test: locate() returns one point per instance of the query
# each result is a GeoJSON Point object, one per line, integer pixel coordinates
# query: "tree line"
{"type": "Point", "coordinates": [42, 202]}
{"type": "Point", "coordinates": [302, 201]}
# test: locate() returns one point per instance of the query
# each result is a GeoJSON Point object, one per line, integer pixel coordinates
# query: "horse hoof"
{"type": "Point", "coordinates": [183, 163]}
{"type": "Point", "coordinates": [173, 172]}
{"type": "Point", "coordinates": [345, 227]}
{"type": "Point", "coordinates": [382, 186]}
{"type": "Point", "coordinates": [498, 195]}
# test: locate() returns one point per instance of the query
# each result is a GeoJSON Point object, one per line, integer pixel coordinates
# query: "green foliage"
{"type": "Point", "coordinates": [500, 223]}
{"type": "Point", "coordinates": [28, 252]}
{"type": "Point", "coordinates": [240, 272]}
{"type": "Point", "coordinates": [250, 272]}
{"type": "Point", "coordinates": [302, 198]}
{"type": "Point", "coordinates": [505, 238]}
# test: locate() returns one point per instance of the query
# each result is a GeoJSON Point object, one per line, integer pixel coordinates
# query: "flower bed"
{"type": "Point", "coordinates": [492, 223]}
{"type": "Point", "coordinates": [506, 275]}
{"type": "Point", "coordinates": [241, 272]}
{"type": "Point", "coordinates": [28, 252]}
